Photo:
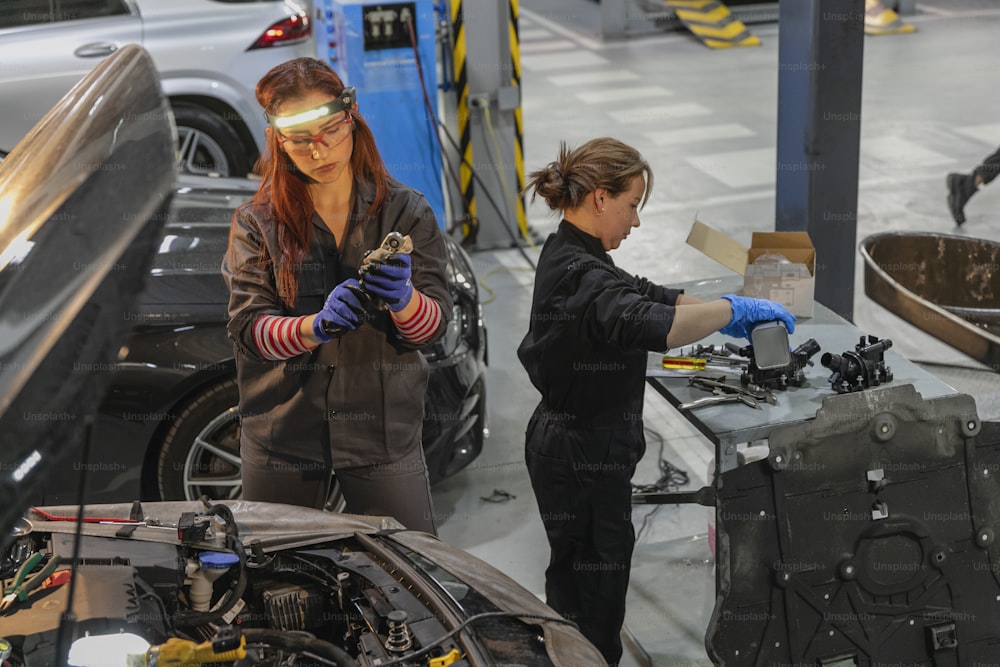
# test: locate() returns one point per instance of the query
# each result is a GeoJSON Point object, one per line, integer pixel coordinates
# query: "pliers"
{"type": "Point", "coordinates": [719, 397]}
{"type": "Point", "coordinates": [722, 392]}
{"type": "Point", "coordinates": [24, 584]}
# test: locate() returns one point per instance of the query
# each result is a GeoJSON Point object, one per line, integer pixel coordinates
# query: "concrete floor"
{"type": "Point", "coordinates": [706, 121]}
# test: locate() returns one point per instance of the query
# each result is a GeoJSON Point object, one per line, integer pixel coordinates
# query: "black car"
{"type": "Point", "coordinates": [169, 427]}
{"type": "Point", "coordinates": [83, 203]}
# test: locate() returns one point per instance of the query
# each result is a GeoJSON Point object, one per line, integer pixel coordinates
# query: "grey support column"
{"type": "Point", "coordinates": [820, 54]}
{"type": "Point", "coordinates": [494, 101]}
{"type": "Point", "coordinates": [612, 19]}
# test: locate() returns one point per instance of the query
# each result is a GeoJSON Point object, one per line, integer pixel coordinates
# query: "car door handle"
{"type": "Point", "coordinates": [96, 50]}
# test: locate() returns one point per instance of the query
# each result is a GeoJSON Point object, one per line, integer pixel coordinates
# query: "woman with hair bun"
{"type": "Point", "coordinates": [330, 381]}
{"type": "Point", "coordinates": [591, 327]}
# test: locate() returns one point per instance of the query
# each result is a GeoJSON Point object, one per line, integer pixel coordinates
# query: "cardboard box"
{"type": "Point", "coordinates": [791, 284]}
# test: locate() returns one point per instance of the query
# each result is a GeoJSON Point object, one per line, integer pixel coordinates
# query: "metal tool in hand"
{"type": "Point", "coordinates": [393, 243]}
{"type": "Point", "coordinates": [24, 582]}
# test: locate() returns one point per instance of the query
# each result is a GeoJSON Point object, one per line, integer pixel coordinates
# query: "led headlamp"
{"type": "Point", "coordinates": [344, 101]}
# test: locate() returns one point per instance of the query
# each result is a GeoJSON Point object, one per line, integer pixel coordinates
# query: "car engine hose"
{"type": "Point", "coordinates": [298, 643]}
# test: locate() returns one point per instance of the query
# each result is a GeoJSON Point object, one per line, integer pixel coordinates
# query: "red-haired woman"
{"type": "Point", "coordinates": [313, 402]}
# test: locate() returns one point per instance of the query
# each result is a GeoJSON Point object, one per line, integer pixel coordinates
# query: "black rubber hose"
{"type": "Point", "coordinates": [297, 643]}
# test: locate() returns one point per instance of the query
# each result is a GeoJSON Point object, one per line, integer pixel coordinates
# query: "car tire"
{"type": "Point", "coordinates": [207, 144]}
{"type": "Point", "coordinates": [200, 451]}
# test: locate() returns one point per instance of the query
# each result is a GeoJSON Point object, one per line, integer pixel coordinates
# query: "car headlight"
{"type": "Point", "coordinates": [448, 344]}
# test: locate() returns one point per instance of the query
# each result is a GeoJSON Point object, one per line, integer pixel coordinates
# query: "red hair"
{"type": "Point", "coordinates": [283, 187]}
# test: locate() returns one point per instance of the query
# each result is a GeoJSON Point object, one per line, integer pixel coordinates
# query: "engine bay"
{"type": "Point", "coordinates": [194, 594]}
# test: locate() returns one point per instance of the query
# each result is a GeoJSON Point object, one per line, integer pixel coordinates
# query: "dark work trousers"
{"type": "Point", "coordinates": [989, 168]}
{"type": "Point", "coordinates": [582, 482]}
{"type": "Point", "coordinates": [400, 489]}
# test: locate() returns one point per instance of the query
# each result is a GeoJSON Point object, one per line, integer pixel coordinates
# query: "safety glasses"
{"type": "Point", "coordinates": [331, 137]}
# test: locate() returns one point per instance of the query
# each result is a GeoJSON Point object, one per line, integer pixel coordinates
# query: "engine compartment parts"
{"type": "Point", "coordinates": [126, 648]}
{"type": "Point", "coordinates": [779, 371]}
{"type": "Point", "coordinates": [769, 341]}
{"type": "Point", "coordinates": [394, 243]}
{"type": "Point", "coordinates": [359, 593]}
{"type": "Point", "coordinates": [781, 377]}
{"type": "Point", "coordinates": [204, 572]}
{"type": "Point", "coordinates": [25, 581]}
{"type": "Point", "coordinates": [860, 368]}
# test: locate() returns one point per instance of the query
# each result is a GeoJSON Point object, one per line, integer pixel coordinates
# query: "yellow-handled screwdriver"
{"type": "Point", "coordinates": [684, 363]}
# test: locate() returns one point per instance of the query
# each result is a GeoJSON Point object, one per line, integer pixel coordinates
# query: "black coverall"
{"type": "Point", "coordinates": [989, 168]}
{"type": "Point", "coordinates": [585, 351]}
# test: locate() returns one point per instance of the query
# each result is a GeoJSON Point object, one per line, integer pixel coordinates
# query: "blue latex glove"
{"type": "Point", "coordinates": [342, 309]}
{"type": "Point", "coordinates": [748, 311]}
{"type": "Point", "coordinates": [389, 280]}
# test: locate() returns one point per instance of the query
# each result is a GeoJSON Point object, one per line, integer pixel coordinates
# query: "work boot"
{"type": "Point", "coordinates": [960, 188]}
{"type": "Point", "coordinates": [879, 20]}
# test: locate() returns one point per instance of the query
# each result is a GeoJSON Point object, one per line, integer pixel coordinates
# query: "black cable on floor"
{"type": "Point", "coordinates": [671, 479]}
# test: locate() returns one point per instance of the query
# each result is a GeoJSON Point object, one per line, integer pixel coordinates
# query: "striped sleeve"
{"type": "Point", "coordinates": [420, 327]}
{"type": "Point", "coordinates": [279, 337]}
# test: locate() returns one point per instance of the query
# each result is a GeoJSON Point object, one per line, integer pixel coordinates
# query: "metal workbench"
{"type": "Point", "coordinates": [730, 424]}
{"type": "Point", "coordinates": [811, 538]}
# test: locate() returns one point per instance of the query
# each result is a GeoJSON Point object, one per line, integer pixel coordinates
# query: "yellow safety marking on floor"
{"type": "Point", "coordinates": [880, 20]}
{"type": "Point", "coordinates": [714, 16]}
{"type": "Point", "coordinates": [712, 23]}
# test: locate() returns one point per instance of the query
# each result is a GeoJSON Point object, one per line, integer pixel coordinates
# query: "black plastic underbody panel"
{"type": "Point", "coordinates": [867, 537]}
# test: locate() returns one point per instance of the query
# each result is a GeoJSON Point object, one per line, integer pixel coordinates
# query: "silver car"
{"type": "Point", "coordinates": [209, 54]}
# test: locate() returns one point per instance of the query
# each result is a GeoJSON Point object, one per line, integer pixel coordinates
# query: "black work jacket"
{"type": "Point", "coordinates": [359, 399]}
{"type": "Point", "coordinates": [591, 327]}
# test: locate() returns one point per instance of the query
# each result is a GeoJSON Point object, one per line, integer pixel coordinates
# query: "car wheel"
{"type": "Point", "coordinates": [207, 145]}
{"type": "Point", "coordinates": [200, 452]}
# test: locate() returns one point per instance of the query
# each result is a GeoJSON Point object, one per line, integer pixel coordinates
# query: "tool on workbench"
{"type": "Point", "coordinates": [715, 355]}
{"type": "Point", "coordinates": [719, 398]}
{"type": "Point", "coordinates": [684, 363]}
{"type": "Point", "coordinates": [725, 392]}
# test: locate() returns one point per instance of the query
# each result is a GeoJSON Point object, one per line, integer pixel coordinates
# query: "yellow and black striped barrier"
{"type": "Point", "coordinates": [467, 186]}
{"type": "Point", "coordinates": [712, 23]}
{"type": "Point", "coordinates": [515, 81]}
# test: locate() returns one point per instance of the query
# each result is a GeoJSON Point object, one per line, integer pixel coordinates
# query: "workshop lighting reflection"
{"type": "Point", "coordinates": [119, 650]}
{"type": "Point", "coordinates": [17, 248]}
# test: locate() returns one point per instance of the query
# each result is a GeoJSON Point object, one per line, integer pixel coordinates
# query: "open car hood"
{"type": "Point", "coordinates": [273, 525]}
{"type": "Point", "coordinates": [276, 529]}
{"type": "Point", "coordinates": [82, 201]}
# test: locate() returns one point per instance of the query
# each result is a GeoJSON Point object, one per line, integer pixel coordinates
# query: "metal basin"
{"type": "Point", "coordinates": [946, 285]}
